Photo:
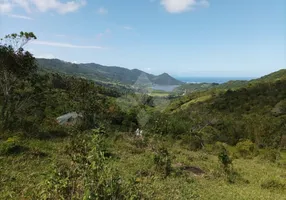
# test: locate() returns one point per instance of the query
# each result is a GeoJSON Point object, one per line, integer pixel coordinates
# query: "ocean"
{"type": "Point", "coordinates": [211, 79]}
{"type": "Point", "coordinates": [220, 80]}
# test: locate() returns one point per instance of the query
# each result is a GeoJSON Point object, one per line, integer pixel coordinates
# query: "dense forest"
{"type": "Point", "coordinates": [127, 144]}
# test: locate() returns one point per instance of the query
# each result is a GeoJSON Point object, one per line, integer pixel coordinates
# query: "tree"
{"type": "Point", "coordinates": [88, 101]}
{"type": "Point", "coordinates": [16, 67]}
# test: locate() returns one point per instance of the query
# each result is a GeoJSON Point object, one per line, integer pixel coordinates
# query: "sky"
{"type": "Point", "coordinates": [211, 38]}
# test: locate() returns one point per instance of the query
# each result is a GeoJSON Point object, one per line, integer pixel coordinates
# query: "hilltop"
{"type": "Point", "coordinates": [275, 76]}
{"type": "Point", "coordinates": [99, 72]}
{"type": "Point", "coordinates": [232, 84]}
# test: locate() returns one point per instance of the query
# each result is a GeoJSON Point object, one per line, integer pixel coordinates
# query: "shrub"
{"type": "Point", "coordinates": [273, 185]}
{"type": "Point", "coordinates": [12, 146]}
{"type": "Point", "coordinates": [225, 159]}
{"type": "Point", "coordinates": [283, 142]}
{"type": "Point", "coordinates": [231, 175]}
{"type": "Point", "coordinates": [162, 161]}
{"type": "Point", "coordinates": [246, 149]}
{"type": "Point", "coordinates": [217, 148]}
{"type": "Point", "coordinates": [165, 125]}
{"type": "Point", "coordinates": [210, 135]}
{"type": "Point", "coordinates": [193, 142]}
{"type": "Point", "coordinates": [139, 142]}
{"type": "Point", "coordinates": [88, 175]}
{"type": "Point", "coordinates": [51, 129]}
{"type": "Point", "coordinates": [271, 155]}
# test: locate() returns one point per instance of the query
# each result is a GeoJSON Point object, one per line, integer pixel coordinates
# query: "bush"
{"type": "Point", "coordinates": [283, 142]}
{"type": "Point", "coordinates": [163, 124]}
{"type": "Point", "coordinates": [162, 161]}
{"type": "Point", "coordinates": [12, 146]}
{"type": "Point", "coordinates": [246, 149]}
{"type": "Point", "coordinates": [139, 142]}
{"type": "Point", "coordinates": [217, 148]}
{"type": "Point", "coordinates": [210, 135]}
{"type": "Point", "coordinates": [87, 175]}
{"type": "Point", "coordinates": [271, 155]}
{"type": "Point", "coordinates": [225, 159]}
{"type": "Point", "coordinates": [51, 129]}
{"type": "Point", "coordinates": [230, 174]}
{"type": "Point", "coordinates": [193, 142]}
{"type": "Point", "coordinates": [273, 185]}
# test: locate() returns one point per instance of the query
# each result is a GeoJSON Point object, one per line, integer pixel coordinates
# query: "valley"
{"type": "Point", "coordinates": [125, 136]}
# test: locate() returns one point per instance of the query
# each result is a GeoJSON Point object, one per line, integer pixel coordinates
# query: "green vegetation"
{"type": "Point", "coordinates": [159, 93]}
{"type": "Point", "coordinates": [275, 76]}
{"type": "Point", "coordinates": [198, 87]}
{"type": "Point", "coordinates": [230, 139]}
{"type": "Point", "coordinates": [103, 73]}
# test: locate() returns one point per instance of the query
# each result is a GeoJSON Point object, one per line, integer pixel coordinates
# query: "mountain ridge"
{"type": "Point", "coordinates": [100, 72]}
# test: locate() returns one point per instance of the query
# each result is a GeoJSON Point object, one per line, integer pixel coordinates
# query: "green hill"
{"type": "Point", "coordinates": [104, 73]}
{"type": "Point", "coordinates": [229, 140]}
{"type": "Point", "coordinates": [196, 92]}
{"type": "Point", "coordinates": [233, 84]}
{"type": "Point", "coordinates": [256, 112]}
{"type": "Point", "coordinates": [278, 75]}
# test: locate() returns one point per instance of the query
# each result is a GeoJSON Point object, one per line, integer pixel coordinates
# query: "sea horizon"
{"type": "Point", "coordinates": [219, 80]}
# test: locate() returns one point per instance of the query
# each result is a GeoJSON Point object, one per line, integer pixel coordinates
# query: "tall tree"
{"type": "Point", "coordinates": [16, 67]}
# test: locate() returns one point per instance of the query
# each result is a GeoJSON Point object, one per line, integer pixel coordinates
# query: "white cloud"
{"type": "Point", "coordinates": [5, 7]}
{"type": "Point", "coordinates": [24, 4]}
{"type": "Point", "coordinates": [178, 6]}
{"type": "Point", "coordinates": [21, 17]}
{"type": "Point", "coordinates": [43, 5]}
{"type": "Point", "coordinates": [62, 8]}
{"type": "Point", "coordinates": [102, 11]}
{"type": "Point", "coordinates": [65, 45]}
{"type": "Point", "coordinates": [127, 27]}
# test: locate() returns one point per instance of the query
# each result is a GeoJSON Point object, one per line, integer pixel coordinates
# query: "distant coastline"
{"type": "Point", "coordinates": [198, 80]}
{"type": "Point", "coordinates": [211, 79]}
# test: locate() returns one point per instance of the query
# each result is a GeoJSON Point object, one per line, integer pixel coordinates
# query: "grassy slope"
{"type": "Point", "coordinates": [189, 185]}
{"type": "Point", "coordinates": [21, 175]}
{"type": "Point", "coordinates": [233, 84]}
{"type": "Point", "coordinates": [202, 96]}
{"type": "Point", "coordinates": [197, 100]}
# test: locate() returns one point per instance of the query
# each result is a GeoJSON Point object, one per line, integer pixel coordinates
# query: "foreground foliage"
{"type": "Point", "coordinates": [233, 140]}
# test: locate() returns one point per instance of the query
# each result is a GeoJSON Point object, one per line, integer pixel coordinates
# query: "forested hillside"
{"type": "Point", "coordinates": [256, 113]}
{"type": "Point", "coordinates": [98, 72]}
{"type": "Point", "coordinates": [126, 145]}
{"type": "Point", "coordinates": [275, 76]}
{"type": "Point", "coordinates": [233, 84]}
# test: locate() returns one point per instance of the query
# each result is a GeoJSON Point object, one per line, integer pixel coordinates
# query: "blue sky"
{"type": "Point", "coordinates": [237, 38]}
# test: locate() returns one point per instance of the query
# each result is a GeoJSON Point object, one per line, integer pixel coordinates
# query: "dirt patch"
{"type": "Point", "coordinates": [193, 169]}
